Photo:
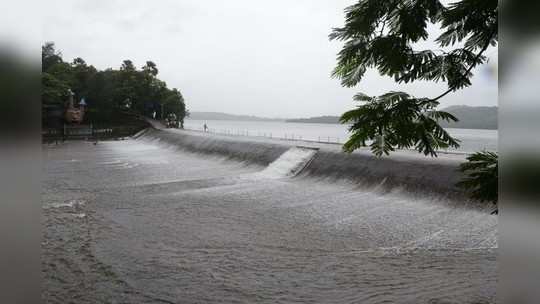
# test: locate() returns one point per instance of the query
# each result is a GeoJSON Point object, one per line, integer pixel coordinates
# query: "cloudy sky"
{"type": "Point", "coordinates": [256, 57]}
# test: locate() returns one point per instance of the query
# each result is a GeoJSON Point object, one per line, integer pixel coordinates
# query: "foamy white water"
{"type": "Point", "coordinates": [289, 163]}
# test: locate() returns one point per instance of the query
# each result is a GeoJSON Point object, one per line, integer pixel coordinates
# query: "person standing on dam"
{"type": "Point", "coordinates": [205, 127]}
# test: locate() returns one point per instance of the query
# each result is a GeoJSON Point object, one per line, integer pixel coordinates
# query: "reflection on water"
{"type": "Point", "coordinates": [471, 140]}
{"type": "Point", "coordinates": [176, 227]}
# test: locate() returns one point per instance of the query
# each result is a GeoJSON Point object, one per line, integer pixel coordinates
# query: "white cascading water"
{"type": "Point", "coordinates": [289, 163]}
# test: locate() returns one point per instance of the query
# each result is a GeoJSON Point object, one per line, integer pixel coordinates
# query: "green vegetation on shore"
{"type": "Point", "coordinates": [112, 95]}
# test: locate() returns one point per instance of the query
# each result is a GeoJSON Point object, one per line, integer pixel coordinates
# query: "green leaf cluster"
{"type": "Point", "coordinates": [397, 120]}
{"type": "Point", "coordinates": [383, 35]}
{"type": "Point", "coordinates": [481, 170]}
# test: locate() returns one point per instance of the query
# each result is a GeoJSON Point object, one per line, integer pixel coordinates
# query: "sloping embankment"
{"type": "Point", "coordinates": [411, 173]}
{"type": "Point", "coordinates": [407, 170]}
{"type": "Point", "coordinates": [245, 151]}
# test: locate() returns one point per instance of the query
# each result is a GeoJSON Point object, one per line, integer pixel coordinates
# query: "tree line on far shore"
{"type": "Point", "coordinates": [107, 92]}
{"type": "Point", "coordinates": [469, 118]}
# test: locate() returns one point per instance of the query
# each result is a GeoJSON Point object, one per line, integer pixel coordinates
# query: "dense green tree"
{"type": "Point", "coordinates": [125, 91]}
{"type": "Point", "coordinates": [150, 68]}
{"type": "Point", "coordinates": [100, 96]}
{"type": "Point", "coordinates": [49, 56]}
{"type": "Point", "coordinates": [81, 75]}
{"type": "Point", "coordinates": [127, 65]}
{"type": "Point", "coordinates": [53, 91]}
{"type": "Point", "coordinates": [174, 103]}
{"type": "Point", "coordinates": [62, 71]}
{"type": "Point", "coordinates": [107, 92]}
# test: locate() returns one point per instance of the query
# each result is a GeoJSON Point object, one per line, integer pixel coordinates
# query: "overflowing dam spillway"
{"type": "Point", "coordinates": [290, 163]}
{"type": "Point", "coordinates": [407, 170]}
{"type": "Point", "coordinates": [187, 217]}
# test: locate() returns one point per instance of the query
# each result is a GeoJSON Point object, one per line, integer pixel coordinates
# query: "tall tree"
{"type": "Point", "coordinates": [383, 35]}
{"type": "Point", "coordinates": [150, 68]}
{"type": "Point", "coordinates": [81, 74]}
{"type": "Point", "coordinates": [127, 65]}
{"type": "Point", "coordinates": [174, 103]}
{"type": "Point", "coordinates": [56, 75]}
{"type": "Point", "coordinates": [49, 56]}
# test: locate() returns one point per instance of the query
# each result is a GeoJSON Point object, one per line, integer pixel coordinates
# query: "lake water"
{"type": "Point", "coordinates": [471, 139]}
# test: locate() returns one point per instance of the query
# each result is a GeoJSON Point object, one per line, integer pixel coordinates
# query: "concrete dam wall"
{"type": "Point", "coordinates": [404, 169]}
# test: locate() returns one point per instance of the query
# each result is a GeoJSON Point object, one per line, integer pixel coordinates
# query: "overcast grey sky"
{"type": "Point", "coordinates": [256, 57]}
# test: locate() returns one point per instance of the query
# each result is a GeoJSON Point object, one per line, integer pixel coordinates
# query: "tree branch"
{"type": "Point", "coordinates": [470, 68]}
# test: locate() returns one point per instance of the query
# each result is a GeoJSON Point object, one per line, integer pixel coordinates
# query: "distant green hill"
{"type": "Point", "coordinates": [225, 116]}
{"type": "Point", "coordinates": [473, 117]}
{"type": "Point", "coordinates": [318, 119]}
{"type": "Point", "coordinates": [469, 118]}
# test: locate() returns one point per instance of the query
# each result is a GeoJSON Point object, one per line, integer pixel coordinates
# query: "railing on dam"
{"type": "Point", "coordinates": [292, 137]}
{"type": "Point", "coordinates": [88, 132]}
{"type": "Point", "coordinates": [271, 135]}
